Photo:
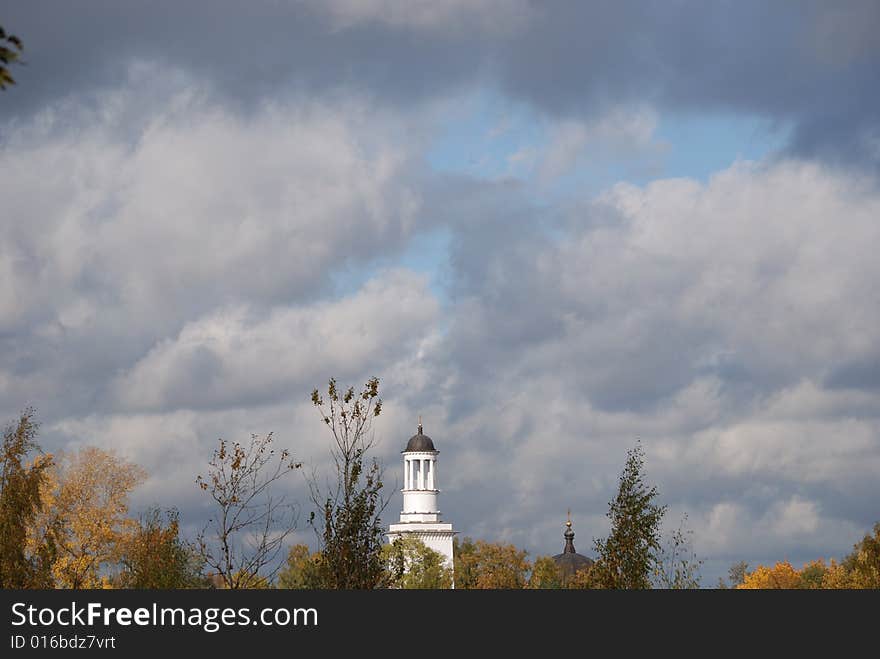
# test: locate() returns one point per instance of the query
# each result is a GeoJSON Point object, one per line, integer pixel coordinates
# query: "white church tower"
{"type": "Point", "coordinates": [420, 516]}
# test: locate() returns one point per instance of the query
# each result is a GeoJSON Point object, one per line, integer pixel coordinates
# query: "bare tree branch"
{"type": "Point", "coordinates": [240, 479]}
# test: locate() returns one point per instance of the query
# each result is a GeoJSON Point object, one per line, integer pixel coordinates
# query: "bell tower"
{"type": "Point", "coordinates": [420, 516]}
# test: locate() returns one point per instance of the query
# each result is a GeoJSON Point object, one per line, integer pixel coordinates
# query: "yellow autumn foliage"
{"type": "Point", "coordinates": [837, 576]}
{"type": "Point", "coordinates": [813, 575]}
{"type": "Point", "coordinates": [781, 575]}
{"type": "Point", "coordinates": [85, 503]}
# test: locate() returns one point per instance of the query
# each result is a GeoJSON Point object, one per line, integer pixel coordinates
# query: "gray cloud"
{"type": "Point", "coordinates": [239, 358]}
{"type": "Point", "coordinates": [660, 318]}
{"type": "Point", "coordinates": [811, 68]}
{"type": "Point", "coordinates": [135, 227]}
{"type": "Point", "coordinates": [856, 375]}
{"type": "Point", "coordinates": [702, 320]}
{"type": "Point", "coordinates": [182, 196]}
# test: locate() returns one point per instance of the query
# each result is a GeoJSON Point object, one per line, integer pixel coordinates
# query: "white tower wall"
{"type": "Point", "coordinates": [420, 516]}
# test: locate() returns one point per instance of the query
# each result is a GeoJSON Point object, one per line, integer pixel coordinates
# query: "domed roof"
{"type": "Point", "coordinates": [419, 442]}
{"type": "Point", "coordinates": [570, 564]}
{"type": "Point", "coordinates": [569, 561]}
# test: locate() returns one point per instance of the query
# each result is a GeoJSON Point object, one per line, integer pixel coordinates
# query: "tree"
{"type": "Point", "coordinates": [781, 575]}
{"type": "Point", "coordinates": [250, 524]}
{"type": "Point", "coordinates": [545, 574]}
{"type": "Point", "coordinates": [736, 574]}
{"type": "Point", "coordinates": [85, 503]}
{"type": "Point", "coordinates": [812, 575]}
{"type": "Point", "coordinates": [487, 565]}
{"type": "Point", "coordinates": [154, 556]}
{"type": "Point", "coordinates": [350, 523]}
{"type": "Point", "coordinates": [411, 564]}
{"type": "Point", "coordinates": [464, 562]}
{"type": "Point", "coordinates": [630, 554]}
{"type": "Point", "coordinates": [24, 562]}
{"type": "Point", "coordinates": [303, 570]}
{"type": "Point", "coordinates": [836, 576]}
{"type": "Point", "coordinates": [10, 52]}
{"type": "Point", "coordinates": [585, 579]}
{"type": "Point", "coordinates": [863, 563]}
{"type": "Point", "coordinates": [254, 582]}
{"type": "Point", "coordinates": [679, 566]}
{"type": "Point", "coordinates": [859, 569]}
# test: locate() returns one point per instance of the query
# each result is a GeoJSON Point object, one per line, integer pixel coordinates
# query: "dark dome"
{"type": "Point", "coordinates": [569, 564]}
{"type": "Point", "coordinates": [569, 561]}
{"type": "Point", "coordinates": [419, 442]}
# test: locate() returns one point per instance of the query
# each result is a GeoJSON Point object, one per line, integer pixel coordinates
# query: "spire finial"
{"type": "Point", "coordinates": [569, 536]}
{"type": "Point", "coordinates": [420, 424]}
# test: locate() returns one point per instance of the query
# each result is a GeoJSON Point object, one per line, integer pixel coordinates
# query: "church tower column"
{"type": "Point", "coordinates": [420, 516]}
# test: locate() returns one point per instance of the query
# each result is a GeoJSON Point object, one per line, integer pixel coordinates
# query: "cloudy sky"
{"type": "Point", "coordinates": [551, 229]}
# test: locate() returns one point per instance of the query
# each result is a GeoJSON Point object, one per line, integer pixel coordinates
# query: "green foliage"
{"type": "Point", "coordinates": [410, 564]}
{"type": "Point", "coordinates": [736, 574]}
{"type": "Point", "coordinates": [353, 534]}
{"type": "Point", "coordinates": [545, 574]}
{"type": "Point", "coordinates": [464, 564]}
{"type": "Point", "coordinates": [350, 526]}
{"type": "Point", "coordinates": [154, 556]}
{"type": "Point", "coordinates": [23, 562]}
{"type": "Point", "coordinates": [489, 565]}
{"type": "Point", "coordinates": [631, 553]}
{"type": "Point", "coordinates": [10, 52]}
{"type": "Point", "coordinates": [678, 567]}
{"type": "Point", "coordinates": [812, 575]}
{"type": "Point", "coordinates": [863, 563]}
{"type": "Point", "coordinates": [303, 570]}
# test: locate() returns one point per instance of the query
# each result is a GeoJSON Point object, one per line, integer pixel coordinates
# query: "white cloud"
{"type": "Point", "coordinates": [701, 318]}
{"type": "Point", "coordinates": [264, 203]}
{"type": "Point", "coordinates": [237, 355]}
{"type": "Point", "coordinates": [622, 134]}
{"type": "Point", "coordinates": [773, 260]}
{"type": "Point", "coordinates": [155, 206]}
{"type": "Point", "coordinates": [792, 519]}
{"type": "Point", "coordinates": [167, 284]}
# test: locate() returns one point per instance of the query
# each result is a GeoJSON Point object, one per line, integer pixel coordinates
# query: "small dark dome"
{"type": "Point", "coordinates": [570, 564]}
{"type": "Point", "coordinates": [419, 442]}
{"type": "Point", "coordinates": [569, 561]}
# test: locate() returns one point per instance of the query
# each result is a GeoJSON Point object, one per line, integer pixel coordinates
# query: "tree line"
{"type": "Point", "coordinates": [859, 569]}
{"type": "Point", "coordinates": [65, 523]}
